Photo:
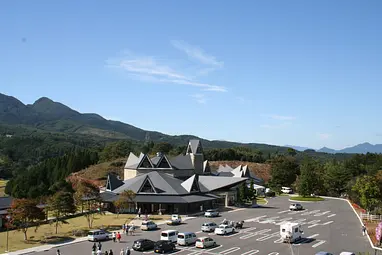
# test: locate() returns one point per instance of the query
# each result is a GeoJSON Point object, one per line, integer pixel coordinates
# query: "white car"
{"type": "Point", "coordinates": [286, 190]}
{"type": "Point", "coordinates": [148, 225]}
{"type": "Point", "coordinates": [295, 207]}
{"type": "Point", "coordinates": [98, 235]}
{"type": "Point", "coordinates": [224, 229]}
{"type": "Point", "coordinates": [211, 213]}
{"type": "Point", "coordinates": [209, 227]}
{"type": "Point", "coordinates": [205, 242]}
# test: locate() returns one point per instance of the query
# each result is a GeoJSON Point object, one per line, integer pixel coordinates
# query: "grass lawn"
{"type": "Point", "coordinates": [283, 195]}
{"type": "Point", "coordinates": [45, 234]}
{"type": "Point", "coordinates": [261, 201]}
{"type": "Point", "coordinates": [312, 199]}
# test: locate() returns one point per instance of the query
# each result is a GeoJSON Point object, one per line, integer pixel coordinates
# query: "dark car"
{"type": "Point", "coordinates": [143, 245]}
{"type": "Point", "coordinates": [164, 246]}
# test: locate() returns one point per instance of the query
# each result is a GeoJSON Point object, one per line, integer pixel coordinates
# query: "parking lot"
{"type": "Point", "coordinates": [330, 225]}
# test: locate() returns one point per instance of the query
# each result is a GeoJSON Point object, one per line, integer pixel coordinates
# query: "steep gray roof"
{"type": "Point", "coordinates": [181, 162]}
{"type": "Point", "coordinates": [187, 184]}
{"type": "Point", "coordinates": [155, 160]}
{"type": "Point", "coordinates": [193, 146]}
{"type": "Point", "coordinates": [206, 167]}
{"type": "Point", "coordinates": [225, 168]}
{"type": "Point", "coordinates": [131, 160]}
{"type": "Point", "coordinates": [217, 182]}
{"type": "Point", "coordinates": [113, 182]}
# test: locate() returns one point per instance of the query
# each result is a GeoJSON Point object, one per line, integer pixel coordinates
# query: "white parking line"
{"type": "Point", "coordinates": [299, 221]}
{"type": "Point", "coordinates": [313, 222]}
{"type": "Point", "coordinates": [312, 226]}
{"type": "Point", "coordinates": [217, 247]}
{"type": "Point", "coordinates": [198, 232]}
{"type": "Point", "coordinates": [194, 253]}
{"type": "Point", "coordinates": [327, 223]}
{"type": "Point", "coordinates": [255, 219]}
{"type": "Point", "coordinates": [280, 240]}
{"type": "Point", "coordinates": [236, 210]}
{"type": "Point", "coordinates": [251, 252]}
{"type": "Point", "coordinates": [284, 211]}
{"type": "Point", "coordinates": [247, 236]}
{"type": "Point", "coordinates": [312, 236]}
{"type": "Point", "coordinates": [331, 215]}
{"type": "Point", "coordinates": [294, 212]}
{"type": "Point", "coordinates": [262, 231]}
{"type": "Point", "coordinates": [311, 212]}
{"type": "Point", "coordinates": [231, 235]}
{"type": "Point", "coordinates": [322, 213]}
{"type": "Point", "coordinates": [263, 238]}
{"type": "Point", "coordinates": [247, 230]}
{"type": "Point", "coordinates": [318, 244]}
{"type": "Point", "coordinates": [273, 253]}
{"type": "Point", "coordinates": [230, 250]}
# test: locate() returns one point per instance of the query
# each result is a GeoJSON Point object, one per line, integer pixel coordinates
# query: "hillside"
{"type": "Point", "coordinates": [100, 171]}
{"type": "Point", "coordinates": [362, 148]}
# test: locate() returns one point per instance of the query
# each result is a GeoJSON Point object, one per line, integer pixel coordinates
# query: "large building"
{"type": "Point", "coordinates": [180, 184]}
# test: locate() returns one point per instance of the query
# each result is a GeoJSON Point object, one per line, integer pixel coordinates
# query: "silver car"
{"type": "Point", "coordinates": [211, 213]}
{"type": "Point", "coordinates": [209, 227]}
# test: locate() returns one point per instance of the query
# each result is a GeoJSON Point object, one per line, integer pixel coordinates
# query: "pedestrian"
{"type": "Point", "coordinates": [94, 248]}
{"type": "Point", "coordinates": [99, 252]}
{"type": "Point", "coordinates": [111, 252]}
{"type": "Point", "coordinates": [113, 236]}
{"type": "Point", "coordinates": [58, 252]}
{"type": "Point", "coordinates": [363, 230]}
{"type": "Point", "coordinates": [94, 252]}
{"type": "Point", "coordinates": [99, 246]}
{"type": "Point", "coordinates": [139, 213]}
{"type": "Point", "coordinates": [123, 228]}
{"type": "Point", "coordinates": [106, 253]}
{"type": "Point", "coordinates": [127, 252]}
{"type": "Point", "coordinates": [122, 252]}
{"type": "Point", "coordinates": [119, 237]}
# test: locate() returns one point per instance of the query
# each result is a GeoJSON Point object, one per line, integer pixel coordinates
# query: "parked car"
{"type": "Point", "coordinates": [347, 253]}
{"type": "Point", "coordinates": [209, 226]}
{"type": "Point", "coordinates": [175, 220]}
{"type": "Point", "coordinates": [143, 245]}
{"type": "Point", "coordinates": [204, 242]}
{"type": "Point", "coordinates": [211, 213]}
{"type": "Point", "coordinates": [163, 246]}
{"type": "Point", "coordinates": [286, 190]}
{"type": "Point", "coordinates": [324, 253]}
{"type": "Point", "coordinates": [169, 235]}
{"type": "Point", "coordinates": [269, 193]}
{"type": "Point", "coordinates": [224, 229]}
{"type": "Point", "coordinates": [98, 235]}
{"type": "Point", "coordinates": [295, 207]}
{"type": "Point", "coordinates": [186, 238]}
{"type": "Point", "coordinates": [148, 225]}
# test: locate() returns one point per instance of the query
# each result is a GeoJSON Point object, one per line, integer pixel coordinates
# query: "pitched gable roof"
{"type": "Point", "coordinates": [194, 147]}
{"type": "Point", "coordinates": [217, 182]}
{"type": "Point", "coordinates": [163, 162]}
{"type": "Point", "coordinates": [145, 162]}
{"type": "Point", "coordinates": [131, 160]}
{"type": "Point", "coordinates": [113, 182]}
{"type": "Point", "coordinates": [206, 167]}
{"type": "Point", "coordinates": [147, 186]}
{"type": "Point", "coordinates": [181, 162]}
{"type": "Point", "coordinates": [191, 184]}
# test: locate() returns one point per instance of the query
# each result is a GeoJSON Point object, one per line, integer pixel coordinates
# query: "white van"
{"type": "Point", "coordinates": [290, 232]}
{"type": "Point", "coordinates": [286, 190]}
{"type": "Point", "coordinates": [186, 238]}
{"type": "Point", "coordinates": [169, 235]}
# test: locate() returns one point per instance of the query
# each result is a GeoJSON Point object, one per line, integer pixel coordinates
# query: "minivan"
{"type": "Point", "coordinates": [186, 238]}
{"type": "Point", "coordinates": [169, 235]}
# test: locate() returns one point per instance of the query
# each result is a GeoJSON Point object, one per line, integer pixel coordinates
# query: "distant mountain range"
{"type": "Point", "coordinates": [359, 148]}
{"type": "Point", "coordinates": [45, 114]}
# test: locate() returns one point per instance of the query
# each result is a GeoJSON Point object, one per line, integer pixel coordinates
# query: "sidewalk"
{"type": "Point", "coordinates": [136, 222]}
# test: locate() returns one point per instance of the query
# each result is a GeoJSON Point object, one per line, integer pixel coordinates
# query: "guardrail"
{"type": "Point", "coordinates": [371, 217]}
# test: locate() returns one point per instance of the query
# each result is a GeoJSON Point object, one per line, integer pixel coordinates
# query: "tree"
{"type": "Point", "coordinates": [242, 193]}
{"type": "Point", "coordinates": [284, 171]}
{"type": "Point", "coordinates": [61, 204]}
{"type": "Point", "coordinates": [367, 188]}
{"type": "Point", "coordinates": [125, 198]}
{"type": "Point", "coordinates": [336, 178]}
{"type": "Point", "coordinates": [162, 147]}
{"type": "Point", "coordinates": [25, 213]}
{"type": "Point", "coordinates": [291, 152]}
{"type": "Point", "coordinates": [88, 197]}
{"type": "Point", "coordinates": [308, 180]}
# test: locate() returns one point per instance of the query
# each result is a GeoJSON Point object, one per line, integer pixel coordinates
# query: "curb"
{"type": "Point", "coordinates": [359, 218]}
{"type": "Point", "coordinates": [297, 201]}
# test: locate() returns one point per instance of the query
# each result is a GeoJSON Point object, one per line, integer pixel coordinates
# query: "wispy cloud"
{"type": "Point", "coordinates": [149, 69]}
{"type": "Point", "coordinates": [243, 100]}
{"type": "Point", "coordinates": [197, 53]}
{"type": "Point", "coordinates": [280, 117]}
{"type": "Point", "coordinates": [276, 126]}
{"type": "Point", "coordinates": [200, 98]}
{"type": "Point", "coordinates": [324, 136]}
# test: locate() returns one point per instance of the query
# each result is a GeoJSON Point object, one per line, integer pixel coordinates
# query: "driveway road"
{"type": "Point", "coordinates": [330, 225]}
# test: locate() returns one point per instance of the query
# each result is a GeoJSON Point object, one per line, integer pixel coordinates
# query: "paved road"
{"type": "Point", "coordinates": [330, 225]}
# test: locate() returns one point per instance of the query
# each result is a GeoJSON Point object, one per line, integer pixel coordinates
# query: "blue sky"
{"type": "Point", "coordinates": [305, 73]}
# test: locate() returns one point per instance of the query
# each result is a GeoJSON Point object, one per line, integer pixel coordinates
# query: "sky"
{"type": "Point", "coordinates": [306, 73]}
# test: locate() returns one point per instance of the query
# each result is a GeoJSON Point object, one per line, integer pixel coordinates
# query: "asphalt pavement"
{"type": "Point", "coordinates": [330, 225]}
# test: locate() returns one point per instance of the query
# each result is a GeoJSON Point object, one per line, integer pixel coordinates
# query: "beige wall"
{"type": "Point", "coordinates": [129, 173]}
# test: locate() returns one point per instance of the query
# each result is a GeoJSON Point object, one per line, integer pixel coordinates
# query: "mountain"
{"type": "Point", "coordinates": [46, 114]}
{"type": "Point", "coordinates": [362, 148]}
{"type": "Point", "coordinates": [298, 148]}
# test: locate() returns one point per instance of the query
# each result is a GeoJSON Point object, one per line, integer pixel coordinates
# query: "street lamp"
{"type": "Point", "coordinates": [8, 221]}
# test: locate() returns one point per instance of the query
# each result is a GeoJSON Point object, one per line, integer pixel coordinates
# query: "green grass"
{"type": "Point", "coordinates": [2, 187]}
{"type": "Point", "coordinates": [312, 199]}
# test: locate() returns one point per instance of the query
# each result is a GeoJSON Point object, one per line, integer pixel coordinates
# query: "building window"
{"type": "Point", "coordinates": [164, 163]}
{"type": "Point", "coordinates": [147, 187]}
{"type": "Point", "coordinates": [145, 163]}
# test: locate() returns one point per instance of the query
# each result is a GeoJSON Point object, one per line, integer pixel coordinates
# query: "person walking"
{"type": "Point", "coordinates": [99, 252]}
{"type": "Point", "coordinates": [99, 246]}
{"type": "Point", "coordinates": [106, 252]}
{"type": "Point", "coordinates": [139, 213]}
{"type": "Point", "coordinates": [122, 252]}
{"type": "Point", "coordinates": [119, 237]}
{"type": "Point", "coordinates": [111, 252]}
{"type": "Point", "coordinates": [58, 252]}
{"type": "Point", "coordinates": [127, 251]}
{"type": "Point", "coordinates": [113, 236]}
{"type": "Point", "coordinates": [94, 248]}
{"type": "Point", "coordinates": [363, 230]}
{"type": "Point", "coordinates": [123, 228]}
{"type": "Point", "coordinates": [94, 252]}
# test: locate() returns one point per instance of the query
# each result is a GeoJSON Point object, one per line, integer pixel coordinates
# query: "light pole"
{"type": "Point", "coordinates": [8, 221]}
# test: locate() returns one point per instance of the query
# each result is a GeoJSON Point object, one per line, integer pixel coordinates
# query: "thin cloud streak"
{"type": "Point", "coordinates": [197, 53]}
{"type": "Point", "coordinates": [200, 98]}
{"type": "Point", "coordinates": [147, 69]}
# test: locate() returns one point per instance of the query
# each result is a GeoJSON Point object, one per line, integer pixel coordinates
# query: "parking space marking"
{"type": "Point", "coordinates": [311, 212]}
{"type": "Point", "coordinates": [273, 253]}
{"type": "Point", "coordinates": [198, 232]}
{"type": "Point", "coordinates": [263, 238]}
{"type": "Point", "coordinates": [217, 247]}
{"type": "Point", "coordinates": [247, 236]}
{"type": "Point", "coordinates": [299, 220]}
{"type": "Point", "coordinates": [231, 235]}
{"type": "Point", "coordinates": [312, 226]}
{"type": "Point", "coordinates": [262, 231]}
{"type": "Point", "coordinates": [251, 252]}
{"type": "Point", "coordinates": [255, 219]}
{"type": "Point", "coordinates": [247, 230]}
{"type": "Point", "coordinates": [318, 244]}
{"type": "Point", "coordinates": [322, 213]}
{"type": "Point", "coordinates": [327, 223]}
{"type": "Point", "coordinates": [284, 211]}
{"type": "Point", "coordinates": [313, 222]}
{"type": "Point", "coordinates": [194, 253]}
{"type": "Point", "coordinates": [294, 212]}
{"type": "Point", "coordinates": [331, 215]}
{"type": "Point", "coordinates": [230, 250]}
{"type": "Point", "coordinates": [236, 210]}
{"type": "Point", "coordinates": [280, 240]}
